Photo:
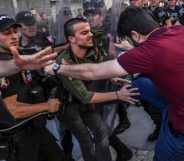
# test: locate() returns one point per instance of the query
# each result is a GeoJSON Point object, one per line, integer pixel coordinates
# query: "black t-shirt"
{"type": "Point", "coordinates": [40, 40]}
{"type": "Point", "coordinates": [177, 13]}
{"type": "Point", "coordinates": [21, 84]}
{"type": "Point", "coordinates": [30, 78]}
{"type": "Point", "coordinates": [9, 85]}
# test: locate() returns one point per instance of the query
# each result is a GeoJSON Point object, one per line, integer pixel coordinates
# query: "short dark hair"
{"type": "Point", "coordinates": [135, 19]}
{"type": "Point", "coordinates": [68, 26]}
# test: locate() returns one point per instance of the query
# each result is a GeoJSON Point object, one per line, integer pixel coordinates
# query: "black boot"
{"type": "Point", "coordinates": [156, 116]}
{"type": "Point", "coordinates": [123, 152]}
{"type": "Point", "coordinates": [124, 122]}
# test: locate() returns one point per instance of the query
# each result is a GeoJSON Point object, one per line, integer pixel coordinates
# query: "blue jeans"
{"type": "Point", "coordinates": [149, 92]}
{"type": "Point", "coordinates": [168, 146]}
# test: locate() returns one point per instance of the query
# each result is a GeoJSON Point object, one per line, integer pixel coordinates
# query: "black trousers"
{"type": "Point", "coordinates": [39, 143]}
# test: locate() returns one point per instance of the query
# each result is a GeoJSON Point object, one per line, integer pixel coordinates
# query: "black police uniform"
{"type": "Point", "coordinates": [29, 141]}
{"type": "Point", "coordinates": [177, 13]}
{"type": "Point", "coordinates": [40, 40]}
{"type": "Point", "coordinates": [93, 7]}
{"type": "Point", "coordinates": [6, 121]}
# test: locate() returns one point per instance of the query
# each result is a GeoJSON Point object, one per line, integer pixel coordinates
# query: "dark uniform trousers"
{"type": "Point", "coordinates": [36, 144]}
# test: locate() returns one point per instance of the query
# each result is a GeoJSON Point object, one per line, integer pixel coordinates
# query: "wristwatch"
{"type": "Point", "coordinates": [55, 68]}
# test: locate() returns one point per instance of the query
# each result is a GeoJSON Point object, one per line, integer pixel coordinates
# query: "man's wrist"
{"type": "Point", "coordinates": [55, 68]}
{"type": "Point", "coordinates": [117, 95]}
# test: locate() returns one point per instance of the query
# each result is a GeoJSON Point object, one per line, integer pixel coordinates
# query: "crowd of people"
{"type": "Point", "coordinates": [123, 55]}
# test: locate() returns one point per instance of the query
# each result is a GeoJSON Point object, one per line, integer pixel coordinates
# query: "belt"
{"type": "Point", "coordinates": [175, 132]}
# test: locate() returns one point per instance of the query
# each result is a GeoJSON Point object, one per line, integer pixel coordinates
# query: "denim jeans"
{"type": "Point", "coordinates": [89, 129]}
{"type": "Point", "coordinates": [149, 92]}
{"type": "Point", "coordinates": [168, 146]}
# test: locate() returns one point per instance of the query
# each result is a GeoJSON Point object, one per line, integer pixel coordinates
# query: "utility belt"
{"type": "Point", "coordinates": [175, 132]}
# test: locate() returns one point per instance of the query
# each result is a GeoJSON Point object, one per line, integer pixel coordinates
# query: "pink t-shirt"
{"type": "Point", "coordinates": [161, 57]}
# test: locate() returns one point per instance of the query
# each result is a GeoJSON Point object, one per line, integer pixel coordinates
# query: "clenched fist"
{"type": "Point", "coordinates": [53, 105]}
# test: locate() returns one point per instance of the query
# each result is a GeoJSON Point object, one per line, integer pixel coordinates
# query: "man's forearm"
{"type": "Point", "coordinates": [104, 97]}
{"type": "Point", "coordinates": [8, 67]}
{"type": "Point", "coordinates": [98, 71]}
{"type": "Point", "coordinates": [25, 110]}
{"type": "Point", "coordinates": [84, 71]}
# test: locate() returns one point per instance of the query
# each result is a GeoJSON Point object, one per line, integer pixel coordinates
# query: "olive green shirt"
{"type": "Point", "coordinates": [76, 87]}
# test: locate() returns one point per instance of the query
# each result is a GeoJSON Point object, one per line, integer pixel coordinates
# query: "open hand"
{"type": "Point", "coordinates": [126, 93]}
{"type": "Point", "coordinates": [35, 61]}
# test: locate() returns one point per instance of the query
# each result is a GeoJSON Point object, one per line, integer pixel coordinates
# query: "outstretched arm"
{"type": "Point", "coordinates": [105, 70]}
{"type": "Point", "coordinates": [21, 62]}
{"type": "Point", "coordinates": [126, 93]}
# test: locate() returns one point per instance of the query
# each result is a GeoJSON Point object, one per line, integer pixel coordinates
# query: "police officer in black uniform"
{"type": "Point", "coordinates": [20, 95]}
{"type": "Point", "coordinates": [30, 37]}
{"type": "Point", "coordinates": [99, 22]}
{"type": "Point", "coordinates": [176, 12]}
{"type": "Point", "coordinates": [160, 15]}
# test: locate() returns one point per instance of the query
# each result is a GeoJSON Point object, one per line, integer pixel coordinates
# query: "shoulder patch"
{"type": "Point", "coordinates": [4, 83]}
